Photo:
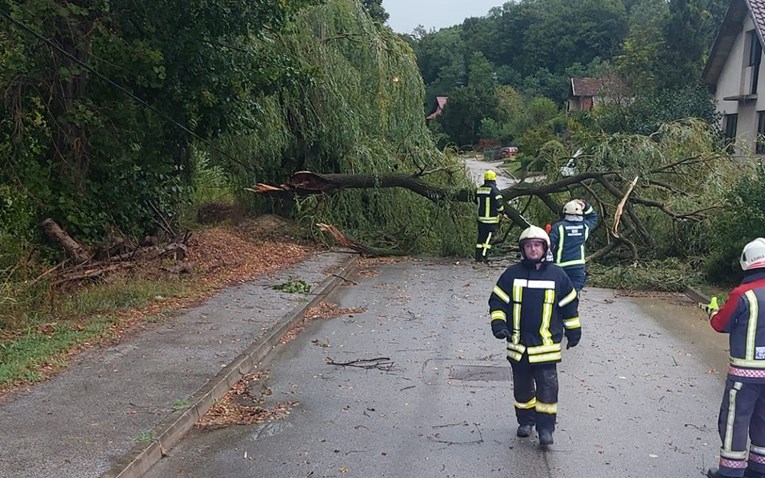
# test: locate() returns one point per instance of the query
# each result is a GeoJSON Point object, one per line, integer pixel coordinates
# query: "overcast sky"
{"type": "Point", "coordinates": [405, 15]}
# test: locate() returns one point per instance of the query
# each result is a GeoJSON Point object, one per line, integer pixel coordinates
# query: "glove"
{"type": "Point", "coordinates": [711, 308]}
{"type": "Point", "coordinates": [572, 337]}
{"type": "Point", "coordinates": [502, 334]}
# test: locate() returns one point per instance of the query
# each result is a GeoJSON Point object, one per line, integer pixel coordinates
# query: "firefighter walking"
{"type": "Point", "coordinates": [532, 307]}
{"type": "Point", "coordinates": [490, 207]}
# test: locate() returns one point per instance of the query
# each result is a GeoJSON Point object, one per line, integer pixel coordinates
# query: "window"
{"type": "Point", "coordinates": [730, 123]}
{"type": "Point", "coordinates": [760, 145]}
{"type": "Point", "coordinates": [755, 57]}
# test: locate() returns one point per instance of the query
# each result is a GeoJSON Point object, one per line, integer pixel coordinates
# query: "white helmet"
{"type": "Point", "coordinates": [534, 232]}
{"type": "Point", "coordinates": [753, 255]}
{"type": "Point", "coordinates": [574, 208]}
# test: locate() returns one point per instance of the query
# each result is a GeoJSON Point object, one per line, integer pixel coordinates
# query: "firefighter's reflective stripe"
{"type": "Point", "coordinates": [549, 408]}
{"type": "Point", "coordinates": [484, 203]}
{"type": "Point", "coordinates": [486, 245]}
{"type": "Point", "coordinates": [530, 405]}
{"type": "Point", "coordinates": [760, 450]}
{"type": "Point", "coordinates": [518, 286]}
{"type": "Point", "coordinates": [515, 351]}
{"type": "Point", "coordinates": [572, 323]}
{"type": "Point", "coordinates": [501, 294]}
{"type": "Point", "coordinates": [559, 247]}
{"type": "Point", "coordinates": [728, 435]}
{"type": "Point", "coordinates": [542, 349]}
{"type": "Point", "coordinates": [580, 260]}
{"type": "Point", "coordinates": [498, 315]}
{"type": "Point", "coordinates": [750, 354]}
{"type": "Point", "coordinates": [501, 207]}
{"type": "Point", "coordinates": [551, 357]}
{"type": "Point", "coordinates": [547, 310]}
{"type": "Point", "coordinates": [568, 299]}
{"type": "Point", "coordinates": [574, 262]}
{"type": "Point", "coordinates": [751, 329]}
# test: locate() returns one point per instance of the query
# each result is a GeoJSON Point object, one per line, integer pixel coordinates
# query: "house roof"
{"type": "Point", "coordinates": [726, 37]}
{"type": "Point", "coordinates": [611, 85]}
{"type": "Point", "coordinates": [440, 103]}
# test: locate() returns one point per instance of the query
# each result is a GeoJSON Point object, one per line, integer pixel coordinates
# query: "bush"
{"type": "Point", "coordinates": [742, 219]}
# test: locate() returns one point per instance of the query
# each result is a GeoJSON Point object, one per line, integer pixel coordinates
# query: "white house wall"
{"type": "Point", "coordinates": [731, 82]}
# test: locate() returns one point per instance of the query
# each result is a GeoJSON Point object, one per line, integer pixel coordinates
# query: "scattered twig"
{"type": "Point", "coordinates": [380, 363]}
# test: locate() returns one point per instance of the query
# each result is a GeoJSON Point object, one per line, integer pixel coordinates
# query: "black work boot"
{"type": "Point", "coordinates": [545, 437]}
{"type": "Point", "coordinates": [523, 431]}
{"type": "Point", "coordinates": [715, 473]}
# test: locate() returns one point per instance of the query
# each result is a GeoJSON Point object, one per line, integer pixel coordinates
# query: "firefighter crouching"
{"type": "Point", "coordinates": [490, 207]}
{"type": "Point", "coordinates": [532, 306]}
{"type": "Point", "coordinates": [742, 411]}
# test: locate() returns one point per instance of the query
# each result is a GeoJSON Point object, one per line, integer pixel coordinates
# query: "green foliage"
{"type": "Point", "coordinates": [741, 219]}
{"type": "Point", "coordinates": [294, 286]}
{"type": "Point", "coordinates": [375, 10]}
{"type": "Point", "coordinates": [363, 115]}
{"type": "Point", "coordinates": [180, 404]}
{"type": "Point", "coordinates": [93, 157]}
{"type": "Point", "coordinates": [687, 171]}
{"type": "Point", "coordinates": [210, 182]}
{"type": "Point", "coordinates": [668, 275]}
{"type": "Point", "coordinates": [647, 113]}
{"type": "Point", "coordinates": [17, 221]}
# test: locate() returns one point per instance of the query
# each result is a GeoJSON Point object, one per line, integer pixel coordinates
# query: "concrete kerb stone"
{"type": "Point", "coordinates": [171, 430]}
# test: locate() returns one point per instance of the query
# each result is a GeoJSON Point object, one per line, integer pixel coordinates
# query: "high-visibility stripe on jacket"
{"type": "Point", "coordinates": [536, 306]}
{"type": "Point", "coordinates": [567, 239]}
{"type": "Point", "coordinates": [490, 204]}
{"type": "Point", "coordinates": [743, 317]}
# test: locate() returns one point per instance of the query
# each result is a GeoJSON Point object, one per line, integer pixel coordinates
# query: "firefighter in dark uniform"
{"type": "Point", "coordinates": [568, 237]}
{"type": "Point", "coordinates": [490, 206]}
{"type": "Point", "coordinates": [742, 412]}
{"type": "Point", "coordinates": [532, 307]}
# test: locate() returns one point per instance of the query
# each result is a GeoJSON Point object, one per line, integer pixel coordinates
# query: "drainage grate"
{"type": "Point", "coordinates": [478, 373]}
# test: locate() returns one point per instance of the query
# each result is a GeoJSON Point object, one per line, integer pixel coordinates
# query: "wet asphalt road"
{"type": "Point", "coordinates": [639, 396]}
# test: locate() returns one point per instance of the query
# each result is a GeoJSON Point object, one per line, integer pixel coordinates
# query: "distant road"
{"type": "Point", "coordinates": [476, 167]}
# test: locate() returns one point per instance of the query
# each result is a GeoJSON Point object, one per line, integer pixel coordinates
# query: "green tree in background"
{"type": "Point", "coordinates": [103, 99]}
{"type": "Point", "coordinates": [375, 10]}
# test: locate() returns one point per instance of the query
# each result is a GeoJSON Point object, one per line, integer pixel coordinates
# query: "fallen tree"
{"type": "Point", "coordinates": [603, 190]}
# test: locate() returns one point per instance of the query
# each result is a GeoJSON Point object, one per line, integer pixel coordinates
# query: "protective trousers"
{"type": "Point", "coordinates": [742, 416]}
{"type": "Point", "coordinates": [535, 389]}
{"type": "Point", "coordinates": [483, 244]}
{"type": "Point", "coordinates": [577, 276]}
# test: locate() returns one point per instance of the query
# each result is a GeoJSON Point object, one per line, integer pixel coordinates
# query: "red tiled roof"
{"type": "Point", "coordinates": [603, 86]}
{"type": "Point", "coordinates": [440, 103]}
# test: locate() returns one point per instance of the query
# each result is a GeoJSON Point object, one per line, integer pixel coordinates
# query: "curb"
{"type": "Point", "coordinates": [696, 295]}
{"type": "Point", "coordinates": [171, 430]}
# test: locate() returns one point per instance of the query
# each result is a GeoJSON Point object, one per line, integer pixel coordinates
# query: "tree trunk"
{"type": "Point", "coordinates": [73, 249]}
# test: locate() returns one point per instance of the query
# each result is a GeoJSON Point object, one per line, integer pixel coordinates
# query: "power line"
{"type": "Point", "coordinates": [119, 87]}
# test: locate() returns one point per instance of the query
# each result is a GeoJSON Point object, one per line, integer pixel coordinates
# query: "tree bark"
{"type": "Point", "coordinates": [73, 249]}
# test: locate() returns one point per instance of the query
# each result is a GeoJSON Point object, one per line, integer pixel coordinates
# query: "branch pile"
{"type": "Point", "coordinates": [92, 263]}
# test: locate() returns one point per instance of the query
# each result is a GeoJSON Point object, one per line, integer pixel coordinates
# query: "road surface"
{"type": "Point", "coordinates": [639, 396]}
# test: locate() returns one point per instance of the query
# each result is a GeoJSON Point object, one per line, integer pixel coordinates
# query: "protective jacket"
{"type": "Point", "coordinates": [490, 204]}
{"type": "Point", "coordinates": [567, 239]}
{"type": "Point", "coordinates": [743, 317]}
{"type": "Point", "coordinates": [537, 307]}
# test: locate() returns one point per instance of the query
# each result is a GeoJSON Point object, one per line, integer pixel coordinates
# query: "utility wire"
{"type": "Point", "coordinates": [120, 87]}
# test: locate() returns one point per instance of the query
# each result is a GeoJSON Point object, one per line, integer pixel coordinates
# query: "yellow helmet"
{"type": "Point", "coordinates": [489, 175]}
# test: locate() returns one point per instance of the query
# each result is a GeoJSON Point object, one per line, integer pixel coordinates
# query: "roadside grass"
{"type": "Point", "coordinates": [56, 323]}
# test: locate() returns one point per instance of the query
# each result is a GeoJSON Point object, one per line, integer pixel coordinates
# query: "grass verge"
{"type": "Point", "coordinates": [58, 324]}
